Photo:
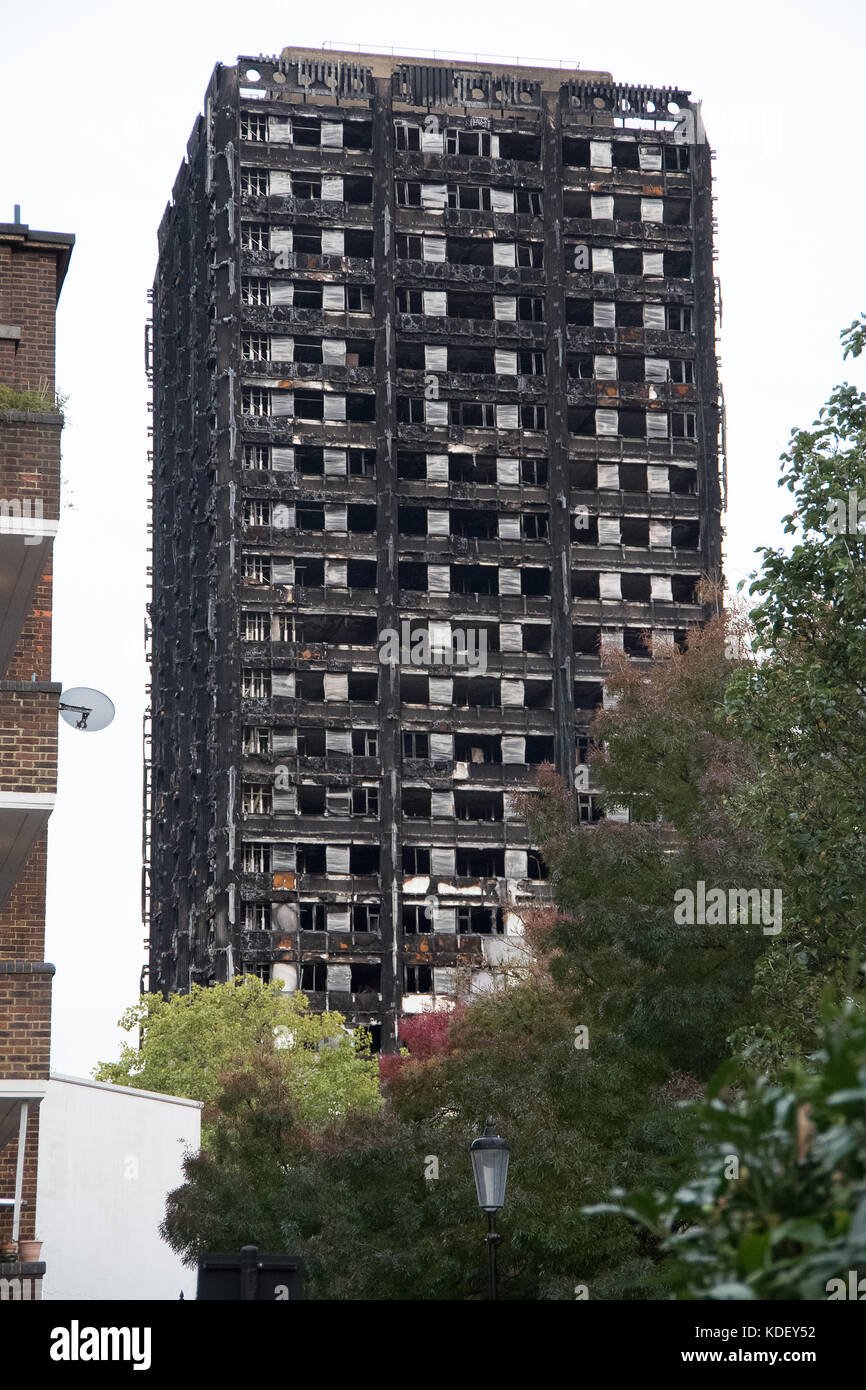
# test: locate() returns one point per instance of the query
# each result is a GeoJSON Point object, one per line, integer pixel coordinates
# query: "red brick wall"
{"type": "Point", "coordinates": [28, 298]}
{"type": "Point", "coordinates": [29, 474]}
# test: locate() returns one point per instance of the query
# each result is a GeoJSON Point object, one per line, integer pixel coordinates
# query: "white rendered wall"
{"type": "Point", "coordinates": [108, 1156]}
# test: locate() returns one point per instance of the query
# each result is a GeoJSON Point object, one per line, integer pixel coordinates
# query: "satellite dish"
{"type": "Point", "coordinates": [83, 708]}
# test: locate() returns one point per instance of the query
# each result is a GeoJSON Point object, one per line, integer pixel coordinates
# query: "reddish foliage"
{"type": "Point", "coordinates": [425, 1035]}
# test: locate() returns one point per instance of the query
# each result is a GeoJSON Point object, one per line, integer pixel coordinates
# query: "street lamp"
{"type": "Point", "coordinates": [490, 1165]}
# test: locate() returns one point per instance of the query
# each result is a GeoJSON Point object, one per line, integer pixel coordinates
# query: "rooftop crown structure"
{"type": "Point", "coordinates": [436, 420]}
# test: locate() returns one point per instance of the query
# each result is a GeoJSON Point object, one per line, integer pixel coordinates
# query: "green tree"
{"type": "Point", "coordinates": [189, 1041]}
{"type": "Point", "coordinates": [777, 1206]}
{"type": "Point", "coordinates": [801, 712]}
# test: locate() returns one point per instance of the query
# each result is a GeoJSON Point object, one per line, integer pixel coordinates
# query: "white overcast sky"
{"type": "Point", "coordinates": [96, 105]}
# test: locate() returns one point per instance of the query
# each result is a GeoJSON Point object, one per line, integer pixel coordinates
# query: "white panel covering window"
{"type": "Point", "coordinates": [283, 460]}
{"type": "Point", "coordinates": [285, 799]}
{"type": "Point", "coordinates": [334, 352]}
{"type": "Point", "coordinates": [436, 412]}
{"type": "Point", "coordinates": [513, 748]}
{"type": "Point", "coordinates": [282, 292]}
{"type": "Point", "coordinates": [338, 740]}
{"type": "Point", "coordinates": [511, 694]}
{"type": "Point", "coordinates": [444, 980]}
{"type": "Point", "coordinates": [432, 141]}
{"type": "Point", "coordinates": [335, 463]}
{"type": "Point", "coordinates": [333, 298]}
{"type": "Point", "coordinates": [600, 154]}
{"type": "Point", "coordinates": [435, 303]}
{"type": "Point", "coordinates": [339, 976]}
{"type": "Point", "coordinates": [612, 640]}
{"type": "Point", "coordinates": [653, 316]}
{"type": "Point", "coordinates": [506, 417]}
{"type": "Point", "coordinates": [608, 475]}
{"type": "Point", "coordinates": [652, 210]}
{"type": "Point", "coordinates": [658, 478]}
{"type": "Point", "coordinates": [649, 157]}
{"type": "Point", "coordinates": [442, 747]}
{"type": "Point", "coordinates": [602, 205]}
{"type": "Point", "coordinates": [653, 263]}
{"type": "Point", "coordinates": [442, 861]}
{"type": "Point", "coordinates": [282, 349]}
{"type": "Point", "coordinates": [333, 241]}
{"type": "Point", "coordinates": [335, 518]}
{"type": "Point", "coordinates": [332, 188]}
{"type": "Point", "coordinates": [442, 805]}
{"type": "Point", "coordinates": [283, 684]}
{"type": "Point", "coordinates": [284, 516]}
{"type": "Point", "coordinates": [509, 581]}
{"type": "Point", "coordinates": [515, 863]}
{"type": "Point", "coordinates": [281, 183]}
{"type": "Point", "coordinates": [656, 368]}
{"type": "Point", "coordinates": [283, 404]}
{"type": "Point", "coordinates": [510, 637]}
{"type": "Point", "coordinates": [662, 637]}
{"type": "Point", "coordinates": [283, 571]}
{"type": "Point", "coordinates": [336, 576]}
{"type": "Point", "coordinates": [434, 196]}
{"type": "Point", "coordinates": [502, 199]}
{"type": "Point", "coordinates": [607, 422]}
{"type": "Point", "coordinates": [286, 742]}
{"type": "Point", "coordinates": [279, 130]}
{"type": "Point", "coordinates": [656, 424]}
{"type": "Point", "coordinates": [439, 579]}
{"type": "Point", "coordinates": [504, 363]}
{"type": "Point", "coordinates": [436, 359]}
{"type": "Point", "coordinates": [608, 530]}
{"type": "Point", "coordinates": [281, 239]}
{"type": "Point", "coordinates": [335, 406]}
{"type": "Point", "coordinates": [509, 528]}
{"type": "Point", "coordinates": [437, 468]}
{"type": "Point", "coordinates": [609, 585]}
{"type": "Point", "coordinates": [438, 523]}
{"type": "Point", "coordinates": [434, 248]}
{"type": "Point", "coordinates": [505, 307]}
{"type": "Point", "coordinates": [660, 587]}
{"type": "Point", "coordinates": [338, 919]}
{"type": "Point", "coordinates": [439, 635]}
{"type": "Point", "coordinates": [605, 367]}
{"type": "Point", "coordinates": [504, 253]}
{"type": "Point", "coordinates": [604, 314]}
{"type": "Point", "coordinates": [660, 535]}
{"type": "Point", "coordinates": [507, 470]}
{"type": "Point", "coordinates": [602, 260]}
{"type": "Point", "coordinates": [336, 686]}
{"type": "Point", "coordinates": [446, 921]}
{"type": "Point", "coordinates": [332, 135]}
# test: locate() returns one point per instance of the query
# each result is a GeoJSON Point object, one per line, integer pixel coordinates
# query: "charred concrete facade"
{"type": "Point", "coordinates": [436, 420]}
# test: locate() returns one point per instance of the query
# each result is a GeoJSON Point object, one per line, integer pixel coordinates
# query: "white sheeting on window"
{"type": "Point", "coordinates": [507, 470]}
{"type": "Point", "coordinates": [504, 253]}
{"type": "Point", "coordinates": [333, 241]}
{"type": "Point", "coordinates": [336, 686]}
{"type": "Point", "coordinates": [435, 303]}
{"type": "Point", "coordinates": [505, 308]}
{"type": "Point", "coordinates": [607, 422]}
{"type": "Point", "coordinates": [609, 585]}
{"type": "Point", "coordinates": [602, 206]}
{"type": "Point", "coordinates": [604, 314]}
{"type": "Point", "coordinates": [335, 463]}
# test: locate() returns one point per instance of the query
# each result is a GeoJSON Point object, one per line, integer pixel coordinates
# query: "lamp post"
{"type": "Point", "coordinates": [490, 1165]}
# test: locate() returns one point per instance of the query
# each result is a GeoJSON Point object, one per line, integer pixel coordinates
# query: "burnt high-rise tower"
{"type": "Point", "coordinates": [436, 421]}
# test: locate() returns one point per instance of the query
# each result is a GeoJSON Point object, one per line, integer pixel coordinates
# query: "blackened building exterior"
{"type": "Point", "coordinates": [436, 420]}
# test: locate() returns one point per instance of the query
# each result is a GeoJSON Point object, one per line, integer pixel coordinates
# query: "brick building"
{"type": "Point", "coordinates": [433, 364]}
{"type": "Point", "coordinates": [32, 268]}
